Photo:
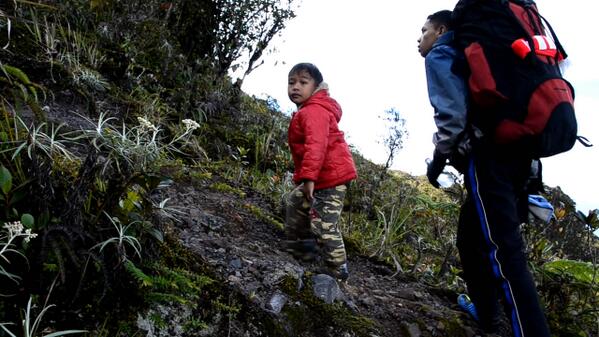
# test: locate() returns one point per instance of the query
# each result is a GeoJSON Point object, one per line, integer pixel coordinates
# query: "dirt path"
{"type": "Point", "coordinates": [227, 232]}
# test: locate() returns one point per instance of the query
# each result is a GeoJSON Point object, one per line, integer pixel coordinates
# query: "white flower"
{"type": "Point", "coordinates": [146, 124]}
{"type": "Point", "coordinates": [29, 235]}
{"type": "Point", "coordinates": [14, 228]}
{"type": "Point", "coordinates": [190, 124]}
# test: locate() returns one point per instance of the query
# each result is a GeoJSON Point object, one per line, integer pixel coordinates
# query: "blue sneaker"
{"type": "Point", "coordinates": [466, 304]}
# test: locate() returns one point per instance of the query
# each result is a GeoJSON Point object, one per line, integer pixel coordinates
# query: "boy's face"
{"type": "Point", "coordinates": [300, 87]}
{"type": "Point", "coordinates": [430, 34]}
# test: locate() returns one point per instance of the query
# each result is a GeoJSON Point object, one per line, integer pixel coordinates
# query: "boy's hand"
{"type": "Point", "coordinates": [309, 189]}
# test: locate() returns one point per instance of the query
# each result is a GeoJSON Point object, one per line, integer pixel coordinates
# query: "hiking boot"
{"type": "Point", "coordinates": [340, 273]}
{"type": "Point", "coordinates": [466, 304]}
{"type": "Point", "coordinates": [303, 250]}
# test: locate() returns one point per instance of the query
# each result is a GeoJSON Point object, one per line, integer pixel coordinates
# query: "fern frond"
{"type": "Point", "coordinates": [141, 277]}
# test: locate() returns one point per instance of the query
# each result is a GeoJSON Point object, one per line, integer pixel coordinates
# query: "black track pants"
{"type": "Point", "coordinates": [491, 246]}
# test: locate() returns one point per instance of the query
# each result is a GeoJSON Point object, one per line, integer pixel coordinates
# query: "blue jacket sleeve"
{"type": "Point", "coordinates": [448, 96]}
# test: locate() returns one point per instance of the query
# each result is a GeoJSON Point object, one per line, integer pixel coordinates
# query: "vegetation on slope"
{"type": "Point", "coordinates": [105, 102]}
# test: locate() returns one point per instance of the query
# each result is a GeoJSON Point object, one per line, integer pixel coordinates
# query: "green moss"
{"type": "Point", "coordinates": [314, 315]}
{"type": "Point", "coordinates": [222, 187]}
{"type": "Point", "coordinates": [258, 212]}
{"type": "Point", "coordinates": [174, 254]}
{"type": "Point", "coordinates": [195, 324]}
{"type": "Point", "coordinates": [354, 243]}
{"type": "Point", "coordinates": [454, 327]}
{"type": "Point", "coordinates": [158, 321]}
{"type": "Point", "coordinates": [65, 167]}
{"type": "Point", "coordinates": [200, 176]}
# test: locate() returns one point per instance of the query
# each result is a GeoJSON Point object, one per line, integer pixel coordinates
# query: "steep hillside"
{"type": "Point", "coordinates": [141, 190]}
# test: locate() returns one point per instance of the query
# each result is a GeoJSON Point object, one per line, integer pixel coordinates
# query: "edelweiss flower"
{"type": "Point", "coordinates": [146, 124]}
{"type": "Point", "coordinates": [14, 228]}
{"type": "Point", "coordinates": [190, 124]}
{"type": "Point", "coordinates": [29, 235]}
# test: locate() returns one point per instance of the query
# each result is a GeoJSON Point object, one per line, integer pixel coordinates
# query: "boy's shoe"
{"type": "Point", "coordinates": [304, 250]}
{"type": "Point", "coordinates": [466, 304]}
{"type": "Point", "coordinates": [340, 272]}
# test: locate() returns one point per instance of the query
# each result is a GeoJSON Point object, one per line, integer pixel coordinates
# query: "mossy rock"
{"type": "Point", "coordinates": [308, 315]}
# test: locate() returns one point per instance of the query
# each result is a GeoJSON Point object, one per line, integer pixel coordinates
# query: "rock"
{"type": "Point", "coordinates": [418, 295]}
{"type": "Point", "coordinates": [469, 332]}
{"type": "Point", "coordinates": [176, 314]}
{"type": "Point", "coordinates": [276, 303]}
{"type": "Point", "coordinates": [252, 286]}
{"type": "Point", "coordinates": [411, 329]}
{"type": "Point", "coordinates": [145, 324]}
{"type": "Point", "coordinates": [326, 288]}
{"type": "Point", "coordinates": [440, 326]}
{"type": "Point", "coordinates": [367, 301]}
{"type": "Point", "coordinates": [234, 279]}
{"type": "Point", "coordinates": [350, 305]}
{"type": "Point", "coordinates": [406, 293]}
{"type": "Point", "coordinates": [235, 264]}
{"type": "Point", "coordinates": [382, 299]}
{"type": "Point", "coordinates": [210, 222]}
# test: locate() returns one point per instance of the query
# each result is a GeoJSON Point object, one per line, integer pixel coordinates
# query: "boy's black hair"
{"type": "Point", "coordinates": [441, 18]}
{"type": "Point", "coordinates": [310, 69]}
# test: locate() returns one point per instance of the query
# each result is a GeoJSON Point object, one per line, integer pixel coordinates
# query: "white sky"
{"type": "Point", "coordinates": [367, 53]}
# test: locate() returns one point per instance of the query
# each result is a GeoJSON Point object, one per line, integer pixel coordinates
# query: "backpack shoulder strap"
{"type": "Point", "coordinates": [559, 46]}
{"type": "Point", "coordinates": [537, 25]}
{"type": "Point", "coordinates": [584, 141]}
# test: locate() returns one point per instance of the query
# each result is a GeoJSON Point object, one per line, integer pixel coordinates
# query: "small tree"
{"type": "Point", "coordinates": [395, 138]}
{"type": "Point", "coordinates": [393, 141]}
{"type": "Point", "coordinates": [246, 27]}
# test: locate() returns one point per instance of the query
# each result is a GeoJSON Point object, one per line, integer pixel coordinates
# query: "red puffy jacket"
{"type": "Point", "coordinates": [319, 150]}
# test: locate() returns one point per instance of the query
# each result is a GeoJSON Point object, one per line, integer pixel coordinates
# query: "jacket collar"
{"type": "Point", "coordinates": [321, 87]}
{"type": "Point", "coordinates": [446, 38]}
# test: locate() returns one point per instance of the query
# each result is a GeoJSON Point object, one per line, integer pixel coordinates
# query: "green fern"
{"type": "Point", "coordinates": [143, 279]}
{"type": "Point", "coordinates": [231, 308]}
{"type": "Point", "coordinates": [167, 285]}
{"type": "Point", "coordinates": [167, 298]}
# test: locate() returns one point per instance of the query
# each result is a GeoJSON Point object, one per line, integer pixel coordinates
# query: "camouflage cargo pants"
{"type": "Point", "coordinates": [318, 220]}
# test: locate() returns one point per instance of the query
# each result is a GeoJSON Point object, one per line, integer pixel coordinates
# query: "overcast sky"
{"type": "Point", "coordinates": [367, 52]}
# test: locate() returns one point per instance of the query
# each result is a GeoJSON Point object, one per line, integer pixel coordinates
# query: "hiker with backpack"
{"type": "Point", "coordinates": [448, 94]}
{"type": "Point", "coordinates": [519, 108]}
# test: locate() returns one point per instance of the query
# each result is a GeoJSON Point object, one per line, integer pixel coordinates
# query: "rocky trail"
{"type": "Point", "coordinates": [233, 236]}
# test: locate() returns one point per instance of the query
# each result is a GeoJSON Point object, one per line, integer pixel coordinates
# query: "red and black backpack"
{"type": "Point", "coordinates": [518, 94]}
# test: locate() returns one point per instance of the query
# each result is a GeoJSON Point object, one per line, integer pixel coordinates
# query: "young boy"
{"type": "Point", "coordinates": [323, 167]}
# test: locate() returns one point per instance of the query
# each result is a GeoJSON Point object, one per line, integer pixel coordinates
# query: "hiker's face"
{"type": "Point", "coordinates": [300, 87]}
{"type": "Point", "coordinates": [430, 34]}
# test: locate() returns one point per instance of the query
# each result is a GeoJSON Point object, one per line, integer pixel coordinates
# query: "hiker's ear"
{"type": "Point", "coordinates": [442, 29]}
